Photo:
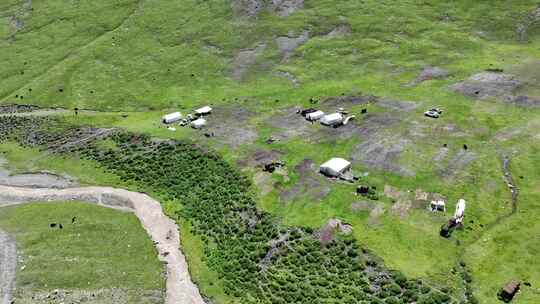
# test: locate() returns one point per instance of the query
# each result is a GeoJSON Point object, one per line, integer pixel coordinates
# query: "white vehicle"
{"type": "Point", "coordinates": [314, 116]}
{"type": "Point", "coordinates": [199, 123]}
{"type": "Point", "coordinates": [332, 120]}
{"type": "Point", "coordinates": [172, 117]}
{"type": "Point", "coordinates": [433, 113]}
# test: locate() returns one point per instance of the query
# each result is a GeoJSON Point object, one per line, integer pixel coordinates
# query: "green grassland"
{"type": "Point", "coordinates": [142, 54]}
{"type": "Point", "coordinates": [103, 250]}
{"type": "Point", "coordinates": [144, 58]}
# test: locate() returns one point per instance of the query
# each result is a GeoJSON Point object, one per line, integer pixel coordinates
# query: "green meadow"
{"type": "Point", "coordinates": [147, 58]}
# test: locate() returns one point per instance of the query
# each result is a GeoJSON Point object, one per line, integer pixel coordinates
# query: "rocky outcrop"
{"type": "Point", "coordinates": [251, 8]}
{"type": "Point", "coordinates": [287, 44]}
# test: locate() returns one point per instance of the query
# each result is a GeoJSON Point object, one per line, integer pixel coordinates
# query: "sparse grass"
{"type": "Point", "coordinates": [103, 249]}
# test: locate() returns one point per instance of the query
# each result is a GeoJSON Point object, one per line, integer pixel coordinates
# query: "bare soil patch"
{"type": "Point", "coordinates": [310, 184]}
{"type": "Point", "coordinates": [245, 59]}
{"type": "Point", "coordinates": [290, 124]}
{"type": "Point", "coordinates": [429, 73]}
{"type": "Point", "coordinates": [458, 163]}
{"type": "Point", "coordinates": [382, 153]}
{"type": "Point", "coordinates": [398, 105]}
{"type": "Point", "coordinates": [288, 44]}
{"type": "Point", "coordinates": [488, 85]}
{"type": "Point", "coordinates": [230, 125]}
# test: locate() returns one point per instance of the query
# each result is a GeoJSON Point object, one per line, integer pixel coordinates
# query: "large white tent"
{"type": "Point", "coordinates": [172, 117]}
{"type": "Point", "coordinates": [203, 111]}
{"type": "Point", "coordinates": [199, 123]}
{"type": "Point", "coordinates": [335, 167]}
{"type": "Point", "coordinates": [313, 116]}
{"type": "Point", "coordinates": [333, 119]}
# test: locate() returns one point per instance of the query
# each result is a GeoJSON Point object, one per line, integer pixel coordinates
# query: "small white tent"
{"type": "Point", "coordinates": [333, 119]}
{"type": "Point", "coordinates": [172, 117]}
{"type": "Point", "coordinates": [314, 116]}
{"type": "Point", "coordinates": [335, 167]}
{"type": "Point", "coordinates": [199, 123]}
{"type": "Point", "coordinates": [203, 111]}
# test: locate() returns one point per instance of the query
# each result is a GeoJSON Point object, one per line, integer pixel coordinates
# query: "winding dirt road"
{"type": "Point", "coordinates": [162, 230]}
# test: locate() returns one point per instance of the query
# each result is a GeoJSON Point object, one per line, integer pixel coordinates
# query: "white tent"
{"type": "Point", "coordinates": [204, 110]}
{"type": "Point", "coordinates": [333, 119]}
{"type": "Point", "coordinates": [335, 167]}
{"type": "Point", "coordinates": [314, 116]}
{"type": "Point", "coordinates": [172, 117]}
{"type": "Point", "coordinates": [199, 123]}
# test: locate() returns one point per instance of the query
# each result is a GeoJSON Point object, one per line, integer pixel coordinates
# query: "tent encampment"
{"type": "Point", "coordinates": [172, 117]}
{"type": "Point", "coordinates": [203, 111]}
{"type": "Point", "coordinates": [333, 119]}
{"type": "Point", "coordinates": [199, 123]}
{"type": "Point", "coordinates": [335, 167]}
{"type": "Point", "coordinates": [314, 116]}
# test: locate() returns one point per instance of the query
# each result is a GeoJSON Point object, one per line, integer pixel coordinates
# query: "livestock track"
{"type": "Point", "coordinates": [162, 230]}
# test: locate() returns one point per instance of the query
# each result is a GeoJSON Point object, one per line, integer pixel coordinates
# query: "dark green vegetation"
{"type": "Point", "coordinates": [93, 255]}
{"type": "Point", "coordinates": [258, 260]}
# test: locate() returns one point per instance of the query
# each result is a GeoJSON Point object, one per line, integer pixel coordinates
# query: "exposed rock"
{"type": "Point", "coordinates": [245, 59]}
{"type": "Point", "coordinates": [252, 8]}
{"type": "Point", "coordinates": [327, 232]}
{"type": "Point", "coordinates": [287, 44]}
{"type": "Point", "coordinates": [289, 76]}
{"type": "Point", "coordinates": [17, 108]}
{"type": "Point", "coordinates": [248, 8]}
{"type": "Point", "coordinates": [531, 19]}
{"type": "Point", "coordinates": [429, 73]}
{"type": "Point", "coordinates": [488, 85]}
{"type": "Point", "coordinates": [341, 30]}
{"type": "Point", "coordinates": [286, 7]}
{"type": "Point", "coordinates": [524, 101]}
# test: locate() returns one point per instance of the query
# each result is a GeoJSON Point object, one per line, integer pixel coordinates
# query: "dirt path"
{"type": "Point", "coordinates": [8, 267]}
{"type": "Point", "coordinates": [162, 230]}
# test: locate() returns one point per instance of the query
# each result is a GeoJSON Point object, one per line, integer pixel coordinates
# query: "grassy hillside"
{"type": "Point", "coordinates": [255, 65]}
{"type": "Point", "coordinates": [128, 54]}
